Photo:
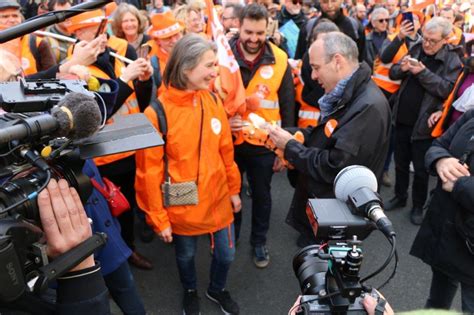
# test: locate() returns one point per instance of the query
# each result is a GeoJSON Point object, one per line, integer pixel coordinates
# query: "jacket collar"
{"type": "Point", "coordinates": [441, 55]}
{"type": "Point", "coordinates": [180, 97]}
{"type": "Point", "coordinates": [268, 58]}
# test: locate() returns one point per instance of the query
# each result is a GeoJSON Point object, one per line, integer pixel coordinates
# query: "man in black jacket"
{"type": "Point", "coordinates": [291, 11]}
{"type": "Point", "coordinates": [353, 129]}
{"type": "Point", "coordinates": [427, 81]}
{"type": "Point", "coordinates": [331, 9]}
{"type": "Point", "coordinates": [266, 74]}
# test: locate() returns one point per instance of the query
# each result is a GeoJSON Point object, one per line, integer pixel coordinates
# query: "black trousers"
{"type": "Point", "coordinates": [407, 151]}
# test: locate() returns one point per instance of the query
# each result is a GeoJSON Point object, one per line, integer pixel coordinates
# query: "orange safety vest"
{"type": "Point", "coordinates": [381, 70]}
{"type": "Point", "coordinates": [455, 36]}
{"type": "Point", "coordinates": [265, 84]}
{"type": "Point", "coordinates": [28, 61]}
{"type": "Point", "coordinates": [118, 44]}
{"type": "Point", "coordinates": [307, 115]}
{"type": "Point", "coordinates": [438, 130]}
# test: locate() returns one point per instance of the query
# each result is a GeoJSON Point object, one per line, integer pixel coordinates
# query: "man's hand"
{"type": "Point", "coordinates": [166, 235]}
{"type": "Point", "coordinates": [279, 136]}
{"type": "Point", "coordinates": [434, 118]}
{"type": "Point", "coordinates": [278, 165]}
{"type": "Point", "coordinates": [147, 73]}
{"type": "Point", "coordinates": [236, 203]}
{"type": "Point", "coordinates": [64, 220]}
{"type": "Point", "coordinates": [370, 303]}
{"type": "Point", "coordinates": [138, 68]}
{"type": "Point", "coordinates": [448, 186]}
{"type": "Point", "coordinates": [85, 54]}
{"type": "Point", "coordinates": [449, 169]}
{"type": "Point", "coordinates": [406, 28]}
{"type": "Point", "coordinates": [415, 69]}
{"type": "Point", "coordinates": [404, 65]}
{"type": "Point", "coordinates": [236, 123]}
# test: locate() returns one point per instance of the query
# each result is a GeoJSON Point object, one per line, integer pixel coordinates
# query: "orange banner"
{"type": "Point", "coordinates": [421, 4]}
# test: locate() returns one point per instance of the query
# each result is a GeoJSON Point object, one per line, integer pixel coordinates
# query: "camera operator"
{"type": "Point", "coordinates": [353, 128]}
{"type": "Point", "coordinates": [65, 226]}
{"type": "Point", "coordinates": [445, 238]}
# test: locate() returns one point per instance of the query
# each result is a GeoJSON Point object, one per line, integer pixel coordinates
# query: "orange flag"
{"type": "Point", "coordinates": [421, 4]}
{"type": "Point", "coordinates": [230, 87]}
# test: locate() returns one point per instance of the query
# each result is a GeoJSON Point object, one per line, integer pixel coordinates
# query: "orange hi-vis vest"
{"type": "Point", "coordinates": [438, 129]}
{"type": "Point", "coordinates": [130, 106]}
{"type": "Point", "coordinates": [265, 84]}
{"type": "Point", "coordinates": [455, 36]}
{"type": "Point", "coordinates": [28, 61]}
{"type": "Point", "coordinates": [381, 70]}
{"type": "Point", "coordinates": [307, 114]}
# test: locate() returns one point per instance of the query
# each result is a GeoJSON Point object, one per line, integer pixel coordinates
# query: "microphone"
{"type": "Point", "coordinates": [76, 116]}
{"type": "Point", "coordinates": [357, 186]}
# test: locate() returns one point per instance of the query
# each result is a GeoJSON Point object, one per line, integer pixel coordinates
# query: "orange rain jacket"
{"type": "Point", "coordinates": [219, 176]}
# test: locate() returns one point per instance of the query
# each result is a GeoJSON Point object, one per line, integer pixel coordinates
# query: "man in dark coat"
{"type": "Point", "coordinates": [353, 129]}
{"type": "Point", "coordinates": [439, 243]}
{"type": "Point", "coordinates": [426, 83]}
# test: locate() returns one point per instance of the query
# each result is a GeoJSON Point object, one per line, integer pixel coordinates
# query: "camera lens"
{"type": "Point", "coordinates": [310, 270]}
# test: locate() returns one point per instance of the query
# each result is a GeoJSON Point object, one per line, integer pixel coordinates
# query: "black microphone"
{"type": "Point", "coordinates": [48, 19]}
{"type": "Point", "coordinates": [357, 185]}
{"type": "Point", "coordinates": [76, 116]}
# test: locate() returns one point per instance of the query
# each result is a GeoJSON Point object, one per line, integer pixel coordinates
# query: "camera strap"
{"type": "Point", "coordinates": [466, 156]}
{"type": "Point", "coordinates": [380, 308]}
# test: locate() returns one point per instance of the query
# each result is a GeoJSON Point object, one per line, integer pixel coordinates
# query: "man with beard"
{"type": "Point", "coordinates": [332, 10]}
{"type": "Point", "coordinates": [265, 73]}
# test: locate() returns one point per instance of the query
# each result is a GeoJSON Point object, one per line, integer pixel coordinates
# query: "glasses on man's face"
{"type": "Point", "coordinates": [431, 42]}
{"type": "Point", "coordinates": [295, 2]}
{"type": "Point", "coordinates": [382, 20]}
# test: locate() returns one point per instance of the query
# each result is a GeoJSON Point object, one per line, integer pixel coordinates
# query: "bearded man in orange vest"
{"type": "Point", "coordinates": [265, 73]}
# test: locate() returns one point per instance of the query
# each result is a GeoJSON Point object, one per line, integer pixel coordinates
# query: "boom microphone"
{"type": "Point", "coordinates": [357, 185]}
{"type": "Point", "coordinates": [76, 116]}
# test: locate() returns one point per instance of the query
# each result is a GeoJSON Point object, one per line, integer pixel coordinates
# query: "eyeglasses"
{"type": "Point", "coordinates": [382, 20]}
{"type": "Point", "coordinates": [295, 2]}
{"type": "Point", "coordinates": [431, 42]}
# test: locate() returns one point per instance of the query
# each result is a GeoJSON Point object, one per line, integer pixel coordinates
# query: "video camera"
{"type": "Point", "coordinates": [49, 128]}
{"type": "Point", "coordinates": [328, 274]}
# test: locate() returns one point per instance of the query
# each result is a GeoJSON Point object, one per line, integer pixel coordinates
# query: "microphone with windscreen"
{"type": "Point", "coordinates": [76, 116]}
{"type": "Point", "coordinates": [357, 186]}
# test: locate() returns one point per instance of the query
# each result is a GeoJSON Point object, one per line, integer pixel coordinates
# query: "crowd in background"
{"type": "Point", "coordinates": [158, 58]}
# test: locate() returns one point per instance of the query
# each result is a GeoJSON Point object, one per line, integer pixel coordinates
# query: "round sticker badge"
{"type": "Point", "coordinates": [330, 127]}
{"type": "Point", "coordinates": [25, 63]}
{"type": "Point", "coordinates": [266, 72]}
{"type": "Point", "coordinates": [216, 126]}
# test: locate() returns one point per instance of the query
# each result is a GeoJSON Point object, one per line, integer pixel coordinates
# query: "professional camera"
{"type": "Point", "coordinates": [328, 273]}
{"type": "Point", "coordinates": [52, 129]}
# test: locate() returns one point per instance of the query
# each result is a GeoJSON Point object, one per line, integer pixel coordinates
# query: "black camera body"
{"type": "Point", "coordinates": [328, 273]}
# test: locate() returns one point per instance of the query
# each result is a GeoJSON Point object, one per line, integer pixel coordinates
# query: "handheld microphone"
{"type": "Point", "coordinates": [357, 186]}
{"type": "Point", "coordinates": [76, 116]}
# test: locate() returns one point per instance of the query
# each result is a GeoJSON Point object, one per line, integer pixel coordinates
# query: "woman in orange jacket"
{"type": "Point", "coordinates": [198, 150]}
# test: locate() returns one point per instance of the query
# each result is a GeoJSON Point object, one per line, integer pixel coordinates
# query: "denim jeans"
{"type": "Point", "coordinates": [123, 291]}
{"type": "Point", "coordinates": [259, 173]}
{"type": "Point", "coordinates": [223, 255]}
{"type": "Point", "coordinates": [442, 292]}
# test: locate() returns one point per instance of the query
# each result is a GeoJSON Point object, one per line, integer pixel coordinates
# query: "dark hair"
{"type": "Point", "coordinates": [236, 9]}
{"type": "Point", "coordinates": [52, 3]}
{"type": "Point", "coordinates": [254, 12]}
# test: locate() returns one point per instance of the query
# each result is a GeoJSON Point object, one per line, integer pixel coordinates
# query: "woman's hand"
{"type": "Point", "coordinates": [449, 169]}
{"type": "Point", "coordinates": [236, 203]}
{"type": "Point", "coordinates": [166, 235]}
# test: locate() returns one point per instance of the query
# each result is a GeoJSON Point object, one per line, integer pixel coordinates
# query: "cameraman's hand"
{"type": "Point", "coordinates": [64, 220]}
{"type": "Point", "coordinates": [370, 303]}
{"type": "Point", "coordinates": [449, 169]}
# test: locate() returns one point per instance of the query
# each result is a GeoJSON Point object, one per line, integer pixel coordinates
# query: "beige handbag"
{"type": "Point", "coordinates": [177, 194]}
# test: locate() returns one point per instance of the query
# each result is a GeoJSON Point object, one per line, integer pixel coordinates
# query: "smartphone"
{"type": "Point", "coordinates": [407, 16]}
{"type": "Point", "coordinates": [102, 27]}
{"type": "Point", "coordinates": [143, 51]}
{"type": "Point", "coordinates": [413, 61]}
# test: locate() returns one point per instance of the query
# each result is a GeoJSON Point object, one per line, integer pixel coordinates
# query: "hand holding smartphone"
{"type": "Point", "coordinates": [414, 62]}
{"type": "Point", "coordinates": [102, 28]}
{"type": "Point", "coordinates": [407, 16]}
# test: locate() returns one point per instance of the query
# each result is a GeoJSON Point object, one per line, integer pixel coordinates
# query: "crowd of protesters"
{"type": "Point", "coordinates": [397, 77]}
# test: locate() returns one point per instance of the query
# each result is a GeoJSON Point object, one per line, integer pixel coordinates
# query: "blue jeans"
{"type": "Point", "coordinates": [259, 170]}
{"type": "Point", "coordinates": [223, 255]}
{"type": "Point", "coordinates": [122, 288]}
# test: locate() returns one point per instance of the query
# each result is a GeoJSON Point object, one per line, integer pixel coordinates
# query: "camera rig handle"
{"type": "Point", "coordinates": [63, 263]}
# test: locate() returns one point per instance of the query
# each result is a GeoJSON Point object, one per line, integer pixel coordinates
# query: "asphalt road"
{"type": "Point", "coordinates": [273, 290]}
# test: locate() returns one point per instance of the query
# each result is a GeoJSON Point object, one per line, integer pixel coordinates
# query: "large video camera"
{"type": "Point", "coordinates": [328, 273]}
{"type": "Point", "coordinates": [50, 128]}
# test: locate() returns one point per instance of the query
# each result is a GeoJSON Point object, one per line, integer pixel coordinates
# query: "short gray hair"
{"type": "Point", "coordinates": [186, 55]}
{"type": "Point", "coordinates": [378, 12]}
{"type": "Point", "coordinates": [339, 43]}
{"type": "Point", "coordinates": [439, 24]}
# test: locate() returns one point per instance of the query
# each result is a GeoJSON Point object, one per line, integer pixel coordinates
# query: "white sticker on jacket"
{"type": "Point", "coordinates": [25, 63]}
{"type": "Point", "coordinates": [216, 126]}
{"type": "Point", "coordinates": [266, 72]}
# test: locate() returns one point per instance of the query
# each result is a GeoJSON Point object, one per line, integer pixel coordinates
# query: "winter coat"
{"type": "Point", "coordinates": [437, 85]}
{"type": "Point", "coordinates": [356, 132]}
{"type": "Point", "coordinates": [438, 243]}
{"type": "Point", "coordinates": [219, 177]}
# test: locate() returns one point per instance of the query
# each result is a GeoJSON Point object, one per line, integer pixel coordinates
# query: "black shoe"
{"type": "Point", "coordinates": [191, 303]}
{"type": "Point", "coordinates": [394, 203]}
{"type": "Point", "coordinates": [147, 234]}
{"type": "Point", "coordinates": [228, 306]}
{"type": "Point", "coordinates": [416, 215]}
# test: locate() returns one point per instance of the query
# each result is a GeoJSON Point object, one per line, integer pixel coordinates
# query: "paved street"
{"type": "Point", "coordinates": [274, 289]}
